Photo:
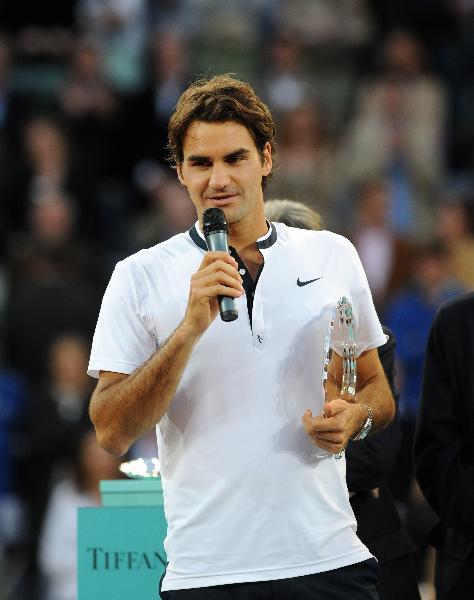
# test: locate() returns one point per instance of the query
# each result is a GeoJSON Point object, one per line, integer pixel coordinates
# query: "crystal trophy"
{"type": "Point", "coordinates": [340, 362]}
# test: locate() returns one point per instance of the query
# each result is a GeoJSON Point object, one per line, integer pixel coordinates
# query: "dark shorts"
{"type": "Point", "coordinates": [354, 582]}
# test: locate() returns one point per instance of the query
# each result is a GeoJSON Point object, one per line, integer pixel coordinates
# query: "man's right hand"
{"type": "Point", "coordinates": [217, 276]}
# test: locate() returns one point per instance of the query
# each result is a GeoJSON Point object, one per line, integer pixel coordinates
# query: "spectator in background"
{"type": "Point", "coordinates": [339, 22]}
{"type": "Point", "coordinates": [450, 40]}
{"type": "Point", "coordinates": [92, 108]}
{"type": "Point", "coordinates": [55, 415]}
{"type": "Point", "coordinates": [224, 34]}
{"type": "Point", "coordinates": [150, 110]}
{"type": "Point", "coordinates": [119, 28]}
{"type": "Point", "coordinates": [397, 134]}
{"type": "Point", "coordinates": [146, 138]}
{"type": "Point", "coordinates": [97, 119]}
{"type": "Point", "coordinates": [13, 397]}
{"type": "Point", "coordinates": [46, 298]}
{"type": "Point", "coordinates": [329, 38]}
{"type": "Point", "coordinates": [410, 315]}
{"type": "Point", "coordinates": [43, 32]}
{"type": "Point", "coordinates": [166, 14]}
{"type": "Point", "coordinates": [383, 252]}
{"type": "Point", "coordinates": [14, 109]}
{"type": "Point", "coordinates": [307, 169]}
{"type": "Point", "coordinates": [52, 230]}
{"type": "Point", "coordinates": [456, 229]}
{"type": "Point", "coordinates": [49, 163]}
{"type": "Point", "coordinates": [52, 273]}
{"type": "Point", "coordinates": [444, 449]}
{"type": "Point", "coordinates": [52, 165]}
{"type": "Point", "coordinates": [286, 79]}
{"type": "Point", "coordinates": [57, 555]}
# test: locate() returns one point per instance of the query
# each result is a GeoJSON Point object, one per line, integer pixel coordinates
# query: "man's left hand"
{"type": "Point", "coordinates": [333, 429]}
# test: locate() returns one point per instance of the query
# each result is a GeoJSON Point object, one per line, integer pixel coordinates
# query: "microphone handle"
{"type": "Point", "coordinates": [217, 241]}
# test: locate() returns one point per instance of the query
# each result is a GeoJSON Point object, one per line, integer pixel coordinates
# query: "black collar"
{"type": "Point", "coordinates": [262, 244]}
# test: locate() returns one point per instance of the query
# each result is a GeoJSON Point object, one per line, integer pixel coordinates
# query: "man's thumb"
{"type": "Point", "coordinates": [332, 408]}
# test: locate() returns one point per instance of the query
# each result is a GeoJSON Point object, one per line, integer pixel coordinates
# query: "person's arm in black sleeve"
{"type": "Point", "coordinates": [369, 460]}
{"type": "Point", "coordinates": [444, 463]}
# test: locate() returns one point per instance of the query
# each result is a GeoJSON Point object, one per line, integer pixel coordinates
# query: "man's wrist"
{"type": "Point", "coordinates": [186, 333]}
{"type": "Point", "coordinates": [366, 424]}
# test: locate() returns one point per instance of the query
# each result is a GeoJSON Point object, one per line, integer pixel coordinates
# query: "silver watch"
{"type": "Point", "coordinates": [366, 427]}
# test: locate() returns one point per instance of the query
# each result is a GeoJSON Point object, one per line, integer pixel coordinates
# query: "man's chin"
{"type": "Point", "coordinates": [232, 215]}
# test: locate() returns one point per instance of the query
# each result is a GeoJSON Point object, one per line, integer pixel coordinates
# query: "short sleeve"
{"type": "Point", "coordinates": [123, 341]}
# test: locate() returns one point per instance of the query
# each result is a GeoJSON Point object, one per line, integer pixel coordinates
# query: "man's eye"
{"type": "Point", "coordinates": [235, 159]}
{"type": "Point", "coordinates": [200, 163]}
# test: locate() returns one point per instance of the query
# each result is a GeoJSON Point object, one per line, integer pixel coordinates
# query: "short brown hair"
{"type": "Point", "coordinates": [219, 99]}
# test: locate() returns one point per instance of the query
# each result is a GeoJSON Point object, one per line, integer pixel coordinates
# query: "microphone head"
{"type": "Point", "coordinates": [213, 219]}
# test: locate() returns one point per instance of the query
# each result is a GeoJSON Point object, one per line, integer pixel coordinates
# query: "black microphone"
{"type": "Point", "coordinates": [215, 231]}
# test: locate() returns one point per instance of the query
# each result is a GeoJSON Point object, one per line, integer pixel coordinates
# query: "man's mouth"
{"type": "Point", "coordinates": [219, 199]}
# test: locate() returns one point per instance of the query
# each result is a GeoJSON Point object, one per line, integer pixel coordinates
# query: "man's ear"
{"type": "Point", "coordinates": [179, 172]}
{"type": "Point", "coordinates": [267, 162]}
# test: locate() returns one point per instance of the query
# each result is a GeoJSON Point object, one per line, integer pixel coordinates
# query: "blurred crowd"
{"type": "Point", "coordinates": [374, 108]}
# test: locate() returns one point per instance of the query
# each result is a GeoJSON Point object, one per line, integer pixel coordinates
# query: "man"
{"type": "Point", "coordinates": [369, 461]}
{"type": "Point", "coordinates": [254, 507]}
{"type": "Point", "coordinates": [444, 445]}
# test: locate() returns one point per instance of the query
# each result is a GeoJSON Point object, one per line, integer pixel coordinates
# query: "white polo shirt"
{"type": "Point", "coordinates": [248, 497]}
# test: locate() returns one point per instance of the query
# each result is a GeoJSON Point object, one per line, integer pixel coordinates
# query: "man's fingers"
{"type": "Point", "coordinates": [321, 431]}
{"type": "Point", "coordinates": [218, 272]}
{"type": "Point", "coordinates": [211, 257]}
{"type": "Point", "coordinates": [308, 420]}
{"type": "Point", "coordinates": [218, 265]}
{"type": "Point", "coordinates": [208, 292]}
{"type": "Point", "coordinates": [328, 446]}
{"type": "Point", "coordinates": [218, 277]}
{"type": "Point", "coordinates": [221, 290]}
{"type": "Point", "coordinates": [324, 432]}
{"type": "Point", "coordinates": [329, 438]}
{"type": "Point", "coordinates": [319, 424]}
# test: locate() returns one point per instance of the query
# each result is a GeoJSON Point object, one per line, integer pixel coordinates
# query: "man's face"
{"type": "Point", "coordinates": [222, 168]}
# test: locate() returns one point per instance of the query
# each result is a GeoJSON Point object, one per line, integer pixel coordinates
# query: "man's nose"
{"type": "Point", "coordinates": [219, 177]}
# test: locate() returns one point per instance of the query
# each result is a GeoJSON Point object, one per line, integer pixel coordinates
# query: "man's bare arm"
{"type": "Point", "coordinates": [342, 420]}
{"type": "Point", "coordinates": [125, 407]}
